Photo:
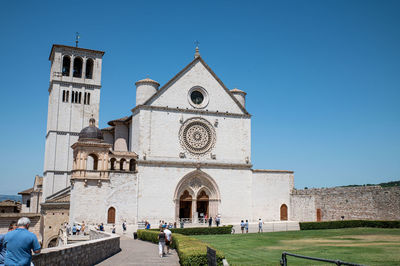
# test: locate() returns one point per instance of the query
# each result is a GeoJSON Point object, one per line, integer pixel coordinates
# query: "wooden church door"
{"type": "Point", "coordinates": [111, 215]}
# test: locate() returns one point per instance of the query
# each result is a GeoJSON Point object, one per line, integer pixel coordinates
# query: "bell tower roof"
{"type": "Point", "coordinates": [73, 48]}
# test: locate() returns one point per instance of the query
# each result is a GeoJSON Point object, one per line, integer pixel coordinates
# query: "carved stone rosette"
{"type": "Point", "coordinates": [197, 136]}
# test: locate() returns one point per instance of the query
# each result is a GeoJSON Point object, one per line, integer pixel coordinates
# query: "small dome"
{"type": "Point", "coordinates": [236, 90]}
{"type": "Point", "coordinates": [91, 132]}
{"type": "Point", "coordinates": [147, 80]}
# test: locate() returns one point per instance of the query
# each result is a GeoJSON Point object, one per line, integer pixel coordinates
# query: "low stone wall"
{"type": "Point", "coordinates": [84, 253]}
{"type": "Point", "coordinates": [351, 203]}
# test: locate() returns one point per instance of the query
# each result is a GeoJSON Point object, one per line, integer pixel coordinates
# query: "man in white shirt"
{"type": "Point", "coordinates": [168, 238]}
{"type": "Point", "coordinates": [260, 224]}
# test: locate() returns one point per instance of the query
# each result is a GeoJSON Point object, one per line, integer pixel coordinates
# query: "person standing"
{"type": "Point", "coordinates": [260, 225]}
{"type": "Point", "coordinates": [20, 243]}
{"type": "Point", "coordinates": [246, 225]}
{"type": "Point", "coordinates": [83, 228]}
{"type": "Point", "coordinates": [74, 229]}
{"type": "Point", "coordinates": [124, 226]}
{"type": "Point", "coordinates": [11, 227]}
{"type": "Point", "coordinates": [113, 229]}
{"type": "Point", "coordinates": [168, 238]}
{"type": "Point", "coordinates": [161, 242]}
{"type": "Point", "coordinates": [242, 226]}
{"type": "Point", "coordinates": [68, 228]}
{"type": "Point", "coordinates": [210, 221]}
{"type": "Point", "coordinates": [78, 229]}
{"type": "Point", "coordinates": [217, 220]}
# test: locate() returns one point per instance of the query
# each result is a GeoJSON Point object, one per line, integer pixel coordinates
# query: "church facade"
{"type": "Point", "coordinates": [184, 152]}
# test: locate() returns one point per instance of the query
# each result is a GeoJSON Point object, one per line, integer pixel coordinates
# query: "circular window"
{"type": "Point", "coordinates": [197, 136]}
{"type": "Point", "coordinates": [197, 97]}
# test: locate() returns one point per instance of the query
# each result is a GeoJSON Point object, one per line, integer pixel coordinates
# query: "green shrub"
{"type": "Point", "coordinates": [190, 250]}
{"type": "Point", "coordinates": [348, 224]}
{"type": "Point", "coordinates": [190, 231]}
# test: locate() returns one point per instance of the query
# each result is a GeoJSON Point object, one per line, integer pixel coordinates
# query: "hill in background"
{"type": "Point", "coordinates": [387, 184]}
{"type": "Point", "coordinates": [11, 197]}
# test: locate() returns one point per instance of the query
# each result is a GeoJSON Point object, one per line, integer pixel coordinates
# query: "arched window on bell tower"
{"type": "Point", "coordinates": [66, 65]}
{"type": "Point", "coordinates": [89, 68]}
{"type": "Point", "coordinates": [78, 63]}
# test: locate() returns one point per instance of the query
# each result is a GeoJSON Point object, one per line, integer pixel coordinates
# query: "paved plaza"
{"type": "Point", "coordinates": [138, 252]}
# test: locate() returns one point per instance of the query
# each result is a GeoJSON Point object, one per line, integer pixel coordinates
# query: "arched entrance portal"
{"type": "Point", "coordinates": [196, 196]}
{"type": "Point", "coordinates": [185, 205]}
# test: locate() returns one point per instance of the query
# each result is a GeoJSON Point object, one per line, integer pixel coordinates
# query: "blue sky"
{"type": "Point", "coordinates": [322, 77]}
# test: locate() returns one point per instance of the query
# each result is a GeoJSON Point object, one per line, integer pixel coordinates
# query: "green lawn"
{"type": "Point", "coordinates": [368, 246]}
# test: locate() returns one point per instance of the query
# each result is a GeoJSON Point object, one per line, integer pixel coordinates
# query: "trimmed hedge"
{"type": "Point", "coordinates": [190, 250]}
{"type": "Point", "coordinates": [348, 224]}
{"type": "Point", "coordinates": [190, 231]}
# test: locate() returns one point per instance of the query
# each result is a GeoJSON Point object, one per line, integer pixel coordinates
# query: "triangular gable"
{"type": "Point", "coordinates": [182, 72]}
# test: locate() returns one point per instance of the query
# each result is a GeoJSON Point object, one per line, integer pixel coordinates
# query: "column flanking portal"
{"type": "Point", "coordinates": [74, 98]}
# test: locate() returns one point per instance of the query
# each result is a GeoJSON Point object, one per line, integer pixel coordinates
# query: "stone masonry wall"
{"type": "Point", "coordinates": [367, 203]}
{"type": "Point", "coordinates": [84, 253]}
{"type": "Point", "coordinates": [7, 218]}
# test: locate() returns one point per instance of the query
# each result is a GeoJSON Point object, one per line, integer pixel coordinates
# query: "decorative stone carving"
{"type": "Point", "coordinates": [197, 136]}
{"type": "Point", "coordinates": [195, 184]}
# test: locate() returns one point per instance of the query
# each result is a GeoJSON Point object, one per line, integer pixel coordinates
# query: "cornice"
{"type": "Point", "coordinates": [190, 111]}
{"type": "Point", "coordinates": [272, 171]}
{"type": "Point", "coordinates": [194, 164]}
{"type": "Point", "coordinates": [94, 86]}
{"type": "Point", "coordinates": [62, 133]}
{"type": "Point", "coordinates": [72, 48]}
{"type": "Point", "coordinates": [91, 144]}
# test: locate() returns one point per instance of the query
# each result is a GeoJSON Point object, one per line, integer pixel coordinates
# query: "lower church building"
{"type": "Point", "coordinates": [183, 152]}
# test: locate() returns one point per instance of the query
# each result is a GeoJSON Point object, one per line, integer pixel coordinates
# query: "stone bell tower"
{"type": "Point", "coordinates": [74, 98]}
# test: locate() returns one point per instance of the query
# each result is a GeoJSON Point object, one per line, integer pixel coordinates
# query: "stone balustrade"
{"type": "Point", "coordinates": [101, 246]}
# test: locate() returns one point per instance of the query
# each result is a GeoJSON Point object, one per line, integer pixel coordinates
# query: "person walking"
{"type": "Point", "coordinates": [260, 225]}
{"type": "Point", "coordinates": [168, 238]}
{"type": "Point", "coordinates": [161, 242]}
{"type": "Point", "coordinates": [246, 225]}
{"type": "Point", "coordinates": [242, 226]}
{"type": "Point", "coordinates": [20, 243]}
{"type": "Point", "coordinates": [113, 229]}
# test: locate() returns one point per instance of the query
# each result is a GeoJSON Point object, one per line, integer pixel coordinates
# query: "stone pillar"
{"type": "Point", "coordinates": [84, 68]}
{"type": "Point", "coordinates": [194, 210]}
{"type": "Point", "coordinates": [71, 70]}
{"type": "Point", "coordinates": [177, 202]}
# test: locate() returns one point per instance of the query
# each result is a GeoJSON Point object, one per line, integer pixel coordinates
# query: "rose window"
{"type": "Point", "coordinates": [197, 136]}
